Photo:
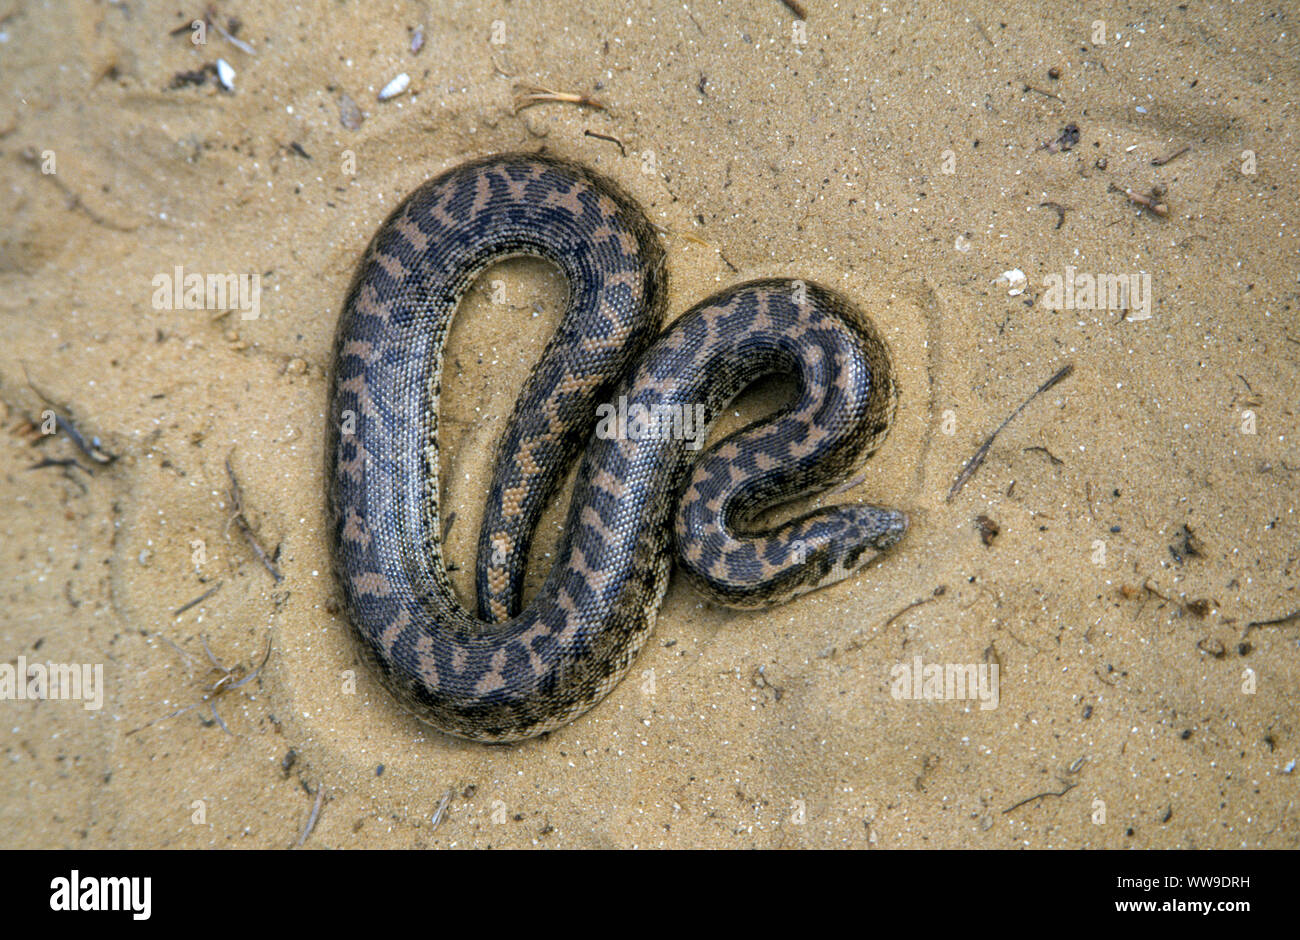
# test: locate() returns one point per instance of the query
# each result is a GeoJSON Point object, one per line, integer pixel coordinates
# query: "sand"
{"type": "Point", "coordinates": [1145, 505]}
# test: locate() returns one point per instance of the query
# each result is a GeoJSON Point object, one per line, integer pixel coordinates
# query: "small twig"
{"type": "Point", "coordinates": [53, 462]}
{"type": "Point", "coordinates": [674, 233]}
{"type": "Point", "coordinates": [1149, 585]}
{"type": "Point", "coordinates": [528, 95]}
{"type": "Point", "coordinates": [500, 70]}
{"type": "Point", "coordinates": [198, 600]}
{"type": "Point", "coordinates": [848, 484]}
{"type": "Point", "coordinates": [30, 156]}
{"type": "Point", "coordinates": [1060, 211]}
{"type": "Point", "coordinates": [938, 592]}
{"type": "Point", "coordinates": [1275, 622]}
{"type": "Point", "coordinates": [794, 7]}
{"type": "Point", "coordinates": [613, 140]}
{"type": "Point", "coordinates": [229, 681]}
{"type": "Point", "coordinates": [252, 675]}
{"type": "Point", "coordinates": [315, 812]}
{"type": "Point", "coordinates": [184, 655]}
{"type": "Point", "coordinates": [1161, 161]}
{"type": "Point", "coordinates": [210, 17]}
{"type": "Point", "coordinates": [442, 807]}
{"type": "Point", "coordinates": [237, 43]}
{"type": "Point", "coordinates": [92, 448]}
{"type": "Point", "coordinates": [1039, 796]}
{"type": "Point", "coordinates": [240, 520]}
{"type": "Point", "coordinates": [216, 716]}
{"type": "Point", "coordinates": [1056, 461]}
{"type": "Point", "coordinates": [1152, 202]}
{"type": "Point", "coordinates": [179, 711]}
{"type": "Point", "coordinates": [1046, 93]}
{"type": "Point", "coordinates": [975, 461]}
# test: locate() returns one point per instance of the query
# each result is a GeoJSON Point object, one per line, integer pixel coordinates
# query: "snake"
{"type": "Point", "coordinates": [614, 389]}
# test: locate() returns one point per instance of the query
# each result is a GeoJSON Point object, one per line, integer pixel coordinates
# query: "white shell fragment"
{"type": "Point", "coordinates": [225, 75]}
{"type": "Point", "coordinates": [1015, 279]}
{"type": "Point", "coordinates": [395, 87]}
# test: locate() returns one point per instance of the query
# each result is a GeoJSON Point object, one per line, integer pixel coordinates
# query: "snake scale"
{"type": "Point", "coordinates": [643, 496]}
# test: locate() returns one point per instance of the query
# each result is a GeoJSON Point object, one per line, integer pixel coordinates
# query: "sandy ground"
{"type": "Point", "coordinates": [1145, 505]}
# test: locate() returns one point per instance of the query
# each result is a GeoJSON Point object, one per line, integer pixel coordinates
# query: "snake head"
{"type": "Point", "coordinates": [880, 528]}
{"type": "Point", "coordinates": [856, 536]}
{"type": "Point", "coordinates": [814, 551]}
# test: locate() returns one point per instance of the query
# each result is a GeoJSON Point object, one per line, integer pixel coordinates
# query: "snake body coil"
{"type": "Point", "coordinates": [512, 673]}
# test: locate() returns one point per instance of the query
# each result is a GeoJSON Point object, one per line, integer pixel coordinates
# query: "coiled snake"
{"type": "Point", "coordinates": [643, 495]}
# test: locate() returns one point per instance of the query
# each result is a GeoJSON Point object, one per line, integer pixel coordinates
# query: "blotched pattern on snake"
{"type": "Point", "coordinates": [641, 498]}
